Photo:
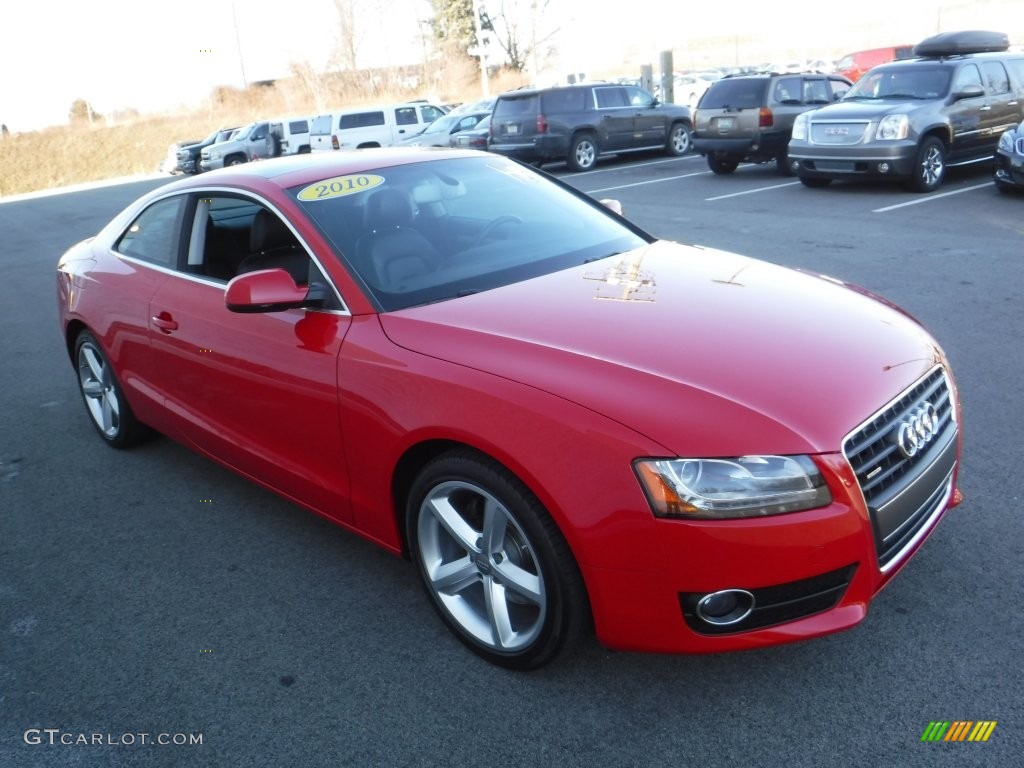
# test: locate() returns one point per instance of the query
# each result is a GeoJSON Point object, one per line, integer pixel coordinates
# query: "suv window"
{"type": "Point", "coordinates": [298, 126]}
{"type": "Point", "coordinates": [967, 76]}
{"type": "Point", "coordinates": [787, 90]}
{"type": "Point", "coordinates": [361, 119]}
{"type": "Point", "coordinates": [405, 116]}
{"type": "Point", "coordinates": [995, 74]}
{"type": "Point", "coordinates": [736, 94]}
{"type": "Point", "coordinates": [610, 97]}
{"type": "Point", "coordinates": [565, 100]}
{"type": "Point", "coordinates": [517, 106]}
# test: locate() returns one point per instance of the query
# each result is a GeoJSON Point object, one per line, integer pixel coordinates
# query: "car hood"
{"type": "Point", "coordinates": [860, 110]}
{"type": "Point", "coordinates": [706, 352]}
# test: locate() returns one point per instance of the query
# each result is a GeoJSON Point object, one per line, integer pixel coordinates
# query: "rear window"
{"type": "Point", "coordinates": [517, 106]}
{"type": "Point", "coordinates": [298, 126]}
{"type": "Point", "coordinates": [560, 100]}
{"type": "Point", "coordinates": [361, 120]}
{"type": "Point", "coordinates": [736, 94]}
{"type": "Point", "coordinates": [321, 125]}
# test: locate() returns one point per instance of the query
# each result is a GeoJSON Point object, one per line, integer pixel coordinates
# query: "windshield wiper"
{"type": "Point", "coordinates": [599, 258]}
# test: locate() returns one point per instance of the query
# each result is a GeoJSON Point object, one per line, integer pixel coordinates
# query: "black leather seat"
{"type": "Point", "coordinates": [391, 251]}
{"type": "Point", "coordinates": [273, 246]}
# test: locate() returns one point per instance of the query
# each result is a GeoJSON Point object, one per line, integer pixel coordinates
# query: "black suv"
{"type": "Point", "coordinates": [912, 119]}
{"type": "Point", "coordinates": [748, 118]}
{"type": "Point", "coordinates": [577, 123]}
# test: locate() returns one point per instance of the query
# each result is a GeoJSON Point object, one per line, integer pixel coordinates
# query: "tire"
{"type": "Point", "coordinates": [815, 182]}
{"type": "Point", "coordinates": [234, 160]}
{"type": "Point", "coordinates": [678, 140]}
{"type": "Point", "coordinates": [782, 164]}
{"type": "Point", "coordinates": [929, 166]}
{"type": "Point", "coordinates": [1006, 189]}
{"type": "Point", "coordinates": [582, 152]}
{"type": "Point", "coordinates": [273, 145]}
{"type": "Point", "coordinates": [722, 165]}
{"type": "Point", "coordinates": [493, 562]}
{"type": "Point", "coordinates": [103, 397]}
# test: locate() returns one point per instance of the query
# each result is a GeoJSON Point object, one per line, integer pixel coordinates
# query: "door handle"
{"type": "Point", "coordinates": [164, 322]}
{"type": "Point", "coordinates": [984, 109]}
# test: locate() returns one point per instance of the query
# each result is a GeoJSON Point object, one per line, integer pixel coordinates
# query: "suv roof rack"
{"type": "Point", "coordinates": [961, 43]}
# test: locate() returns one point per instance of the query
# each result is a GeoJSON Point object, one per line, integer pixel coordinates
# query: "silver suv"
{"type": "Point", "coordinates": [249, 143]}
{"type": "Point", "coordinates": [749, 118]}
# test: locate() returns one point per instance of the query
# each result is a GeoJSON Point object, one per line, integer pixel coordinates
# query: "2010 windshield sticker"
{"type": "Point", "coordinates": [340, 186]}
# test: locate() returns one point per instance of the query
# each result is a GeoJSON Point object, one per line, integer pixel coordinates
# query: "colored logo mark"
{"type": "Point", "coordinates": [958, 730]}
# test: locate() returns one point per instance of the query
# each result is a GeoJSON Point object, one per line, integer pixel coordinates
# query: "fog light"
{"type": "Point", "coordinates": [883, 167]}
{"type": "Point", "coordinates": [728, 606]}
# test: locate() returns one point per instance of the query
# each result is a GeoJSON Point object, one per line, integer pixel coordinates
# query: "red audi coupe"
{"type": "Point", "coordinates": [567, 425]}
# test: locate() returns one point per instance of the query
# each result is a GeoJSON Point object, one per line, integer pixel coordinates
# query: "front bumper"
{"type": "Point", "coordinates": [212, 163]}
{"type": "Point", "coordinates": [1008, 170]}
{"type": "Point", "coordinates": [876, 160]}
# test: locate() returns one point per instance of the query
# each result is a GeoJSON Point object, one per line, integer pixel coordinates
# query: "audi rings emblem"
{"type": "Point", "coordinates": [917, 429]}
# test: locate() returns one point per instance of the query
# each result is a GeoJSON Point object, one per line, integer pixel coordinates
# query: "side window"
{"type": "Point", "coordinates": [298, 126]}
{"type": "Point", "coordinates": [405, 116]}
{"type": "Point", "coordinates": [839, 88]}
{"type": "Point", "coordinates": [996, 77]}
{"type": "Point", "coordinates": [430, 113]}
{"type": "Point", "coordinates": [638, 97]}
{"type": "Point", "coordinates": [968, 75]}
{"type": "Point", "coordinates": [259, 132]}
{"type": "Point", "coordinates": [815, 92]}
{"type": "Point", "coordinates": [155, 235]}
{"type": "Point", "coordinates": [608, 98]}
{"type": "Point", "coordinates": [787, 90]}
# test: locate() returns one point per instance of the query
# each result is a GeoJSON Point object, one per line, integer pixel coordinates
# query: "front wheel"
{"type": "Point", "coordinates": [678, 140]}
{"type": "Point", "coordinates": [582, 153]}
{"type": "Point", "coordinates": [494, 564]}
{"type": "Point", "coordinates": [929, 166]}
{"type": "Point", "coordinates": [103, 397]}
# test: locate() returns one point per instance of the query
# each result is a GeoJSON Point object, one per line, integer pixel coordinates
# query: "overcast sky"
{"type": "Point", "coordinates": [150, 56]}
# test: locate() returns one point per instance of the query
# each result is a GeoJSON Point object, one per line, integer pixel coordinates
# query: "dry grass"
{"type": "Point", "coordinates": [72, 154]}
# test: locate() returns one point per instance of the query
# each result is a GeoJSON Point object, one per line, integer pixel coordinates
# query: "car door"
{"type": "Point", "coordinates": [616, 117]}
{"type": "Point", "coordinates": [650, 124]}
{"type": "Point", "coordinates": [969, 116]}
{"type": "Point", "coordinates": [1003, 111]}
{"type": "Point", "coordinates": [258, 391]}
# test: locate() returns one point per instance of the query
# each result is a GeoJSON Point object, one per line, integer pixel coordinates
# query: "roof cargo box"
{"type": "Point", "coordinates": [957, 43]}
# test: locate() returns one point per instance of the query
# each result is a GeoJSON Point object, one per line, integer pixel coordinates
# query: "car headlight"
{"type": "Point", "coordinates": [748, 486]}
{"type": "Point", "coordinates": [1006, 143]}
{"type": "Point", "coordinates": [800, 126]}
{"type": "Point", "coordinates": [892, 128]}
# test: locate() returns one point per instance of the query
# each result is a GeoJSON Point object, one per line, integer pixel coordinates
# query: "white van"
{"type": "Point", "coordinates": [371, 126]}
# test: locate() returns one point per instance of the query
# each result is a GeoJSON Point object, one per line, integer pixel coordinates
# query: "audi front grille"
{"type": "Point", "coordinates": [904, 457]}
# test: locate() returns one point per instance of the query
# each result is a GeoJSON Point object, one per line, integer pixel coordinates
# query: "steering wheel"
{"type": "Point", "coordinates": [493, 225]}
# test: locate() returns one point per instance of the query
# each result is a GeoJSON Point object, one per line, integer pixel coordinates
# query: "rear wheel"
{"type": "Point", "coordinates": [721, 164]}
{"type": "Point", "coordinates": [494, 564]}
{"type": "Point", "coordinates": [582, 152]}
{"type": "Point", "coordinates": [102, 395]}
{"type": "Point", "coordinates": [929, 166]}
{"type": "Point", "coordinates": [678, 140]}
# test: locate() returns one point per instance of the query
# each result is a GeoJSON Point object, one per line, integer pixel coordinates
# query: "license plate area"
{"type": "Point", "coordinates": [724, 124]}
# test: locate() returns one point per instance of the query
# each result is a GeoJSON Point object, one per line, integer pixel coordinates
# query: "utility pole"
{"type": "Point", "coordinates": [484, 81]}
{"type": "Point", "coordinates": [238, 45]}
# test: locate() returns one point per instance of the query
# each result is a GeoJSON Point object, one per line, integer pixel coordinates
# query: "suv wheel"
{"type": "Point", "coordinates": [582, 152]}
{"type": "Point", "coordinates": [721, 164]}
{"type": "Point", "coordinates": [678, 140]}
{"type": "Point", "coordinates": [929, 167]}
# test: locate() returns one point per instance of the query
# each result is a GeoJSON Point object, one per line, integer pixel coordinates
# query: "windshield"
{"type": "Point", "coordinates": [438, 229]}
{"type": "Point", "coordinates": [902, 83]}
{"type": "Point", "coordinates": [442, 124]}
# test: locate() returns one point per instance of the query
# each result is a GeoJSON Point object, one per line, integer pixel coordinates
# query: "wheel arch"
{"type": "Point", "coordinates": [71, 332]}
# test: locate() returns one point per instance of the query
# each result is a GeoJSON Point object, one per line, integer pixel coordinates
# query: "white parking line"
{"type": "Point", "coordinates": [930, 197]}
{"type": "Point", "coordinates": [752, 191]}
{"type": "Point", "coordinates": [642, 183]}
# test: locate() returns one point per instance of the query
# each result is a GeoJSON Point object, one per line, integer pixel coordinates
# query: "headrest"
{"type": "Point", "coordinates": [268, 231]}
{"type": "Point", "coordinates": [388, 208]}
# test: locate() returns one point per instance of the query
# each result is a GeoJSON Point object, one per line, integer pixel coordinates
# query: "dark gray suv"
{"type": "Point", "coordinates": [910, 120]}
{"type": "Point", "coordinates": [578, 123]}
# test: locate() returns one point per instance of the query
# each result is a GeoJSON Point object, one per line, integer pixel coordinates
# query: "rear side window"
{"type": "Point", "coordinates": [361, 120]}
{"type": "Point", "coordinates": [298, 126]}
{"type": "Point", "coordinates": [517, 107]}
{"type": "Point", "coordinates": [155, 235]}
{"type": "Point", "coordinates": [995, 75]}
{"type": "Point", "coordinates": [560, 100]}
{"type": "Point", "coordinates": [788, 90]}
{"type": "Point", "coordinates": [405, 116]}
{"type": "Point", "coordinates": [736, 94]}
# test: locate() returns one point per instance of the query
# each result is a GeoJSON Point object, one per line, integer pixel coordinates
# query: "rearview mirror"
{"type": "Point", "coordinates": [268, 290]}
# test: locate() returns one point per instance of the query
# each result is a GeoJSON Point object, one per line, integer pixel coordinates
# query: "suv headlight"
{"type": "Point", "coordinates": [801, 126]}
{"type": "Point", "coordinates": [892, 128]}
{"type": "Point", "coordinates": [1006, 143]}
{"type": "Point", "coordinates": [748, 486]}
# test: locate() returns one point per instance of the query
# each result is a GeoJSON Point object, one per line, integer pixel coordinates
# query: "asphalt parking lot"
{"type": "Point", "coordinates": [153, 592]}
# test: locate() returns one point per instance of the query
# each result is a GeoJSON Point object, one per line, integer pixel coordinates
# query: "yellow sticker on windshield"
{"type": "Point", "coordinates": [340, 186]}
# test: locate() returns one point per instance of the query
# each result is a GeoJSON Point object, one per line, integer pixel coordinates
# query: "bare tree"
{"type": "Point", "coordinates": [520, 28]}
{"type": "Point", "coordinates": [346, 51]}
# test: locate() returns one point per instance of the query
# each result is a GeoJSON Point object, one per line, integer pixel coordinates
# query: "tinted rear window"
{"type": "Point", "coordinates": [298, 126]}
{"type": "Point", "coordinates": [737, 94]}
{"type": "Point", "coordinates": [361, 120]}
{"type": "Point", "coordinates": [517, 106]}
{"type": "Point", "coordinates": [560, 100]}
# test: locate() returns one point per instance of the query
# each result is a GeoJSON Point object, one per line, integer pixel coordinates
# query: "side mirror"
{"type": "Point", "coordinates": [970, 92]}
{"type": "Point", "coordinates": [269, 290]}
{"type": "Point", "coordinates": [612, 205]}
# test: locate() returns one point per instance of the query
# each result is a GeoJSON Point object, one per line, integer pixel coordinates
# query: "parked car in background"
{"type": "Point", "coordinates": [188, 156]}
{"type": "Point", "coordinates": [910, 120]}
{"type": "Point", "coordinates": [439, 132]}
{"type": "Point", "coordinates": [1008, 173]}
{"type": "Point", "coordinates": [367, 127]}
{"type": "Point", "coordinates": [579, 123]}
{"type": "Point", "coordinates": [749, 118]}
{"type": "Point", "coordinates": [288, 136]}
{"type": "Point", "coordinates": [548, 410]}
{"type": "Point", "coordinates": [855, 64]}
{"type": "Point", "coordinates": [689, 88]}
{"type": "Point", "coordinates": [248, 143]}
{"type": "Point", "coordinates": [169, 163]}
{"type": "Point", "coordinates": [474, 138]}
